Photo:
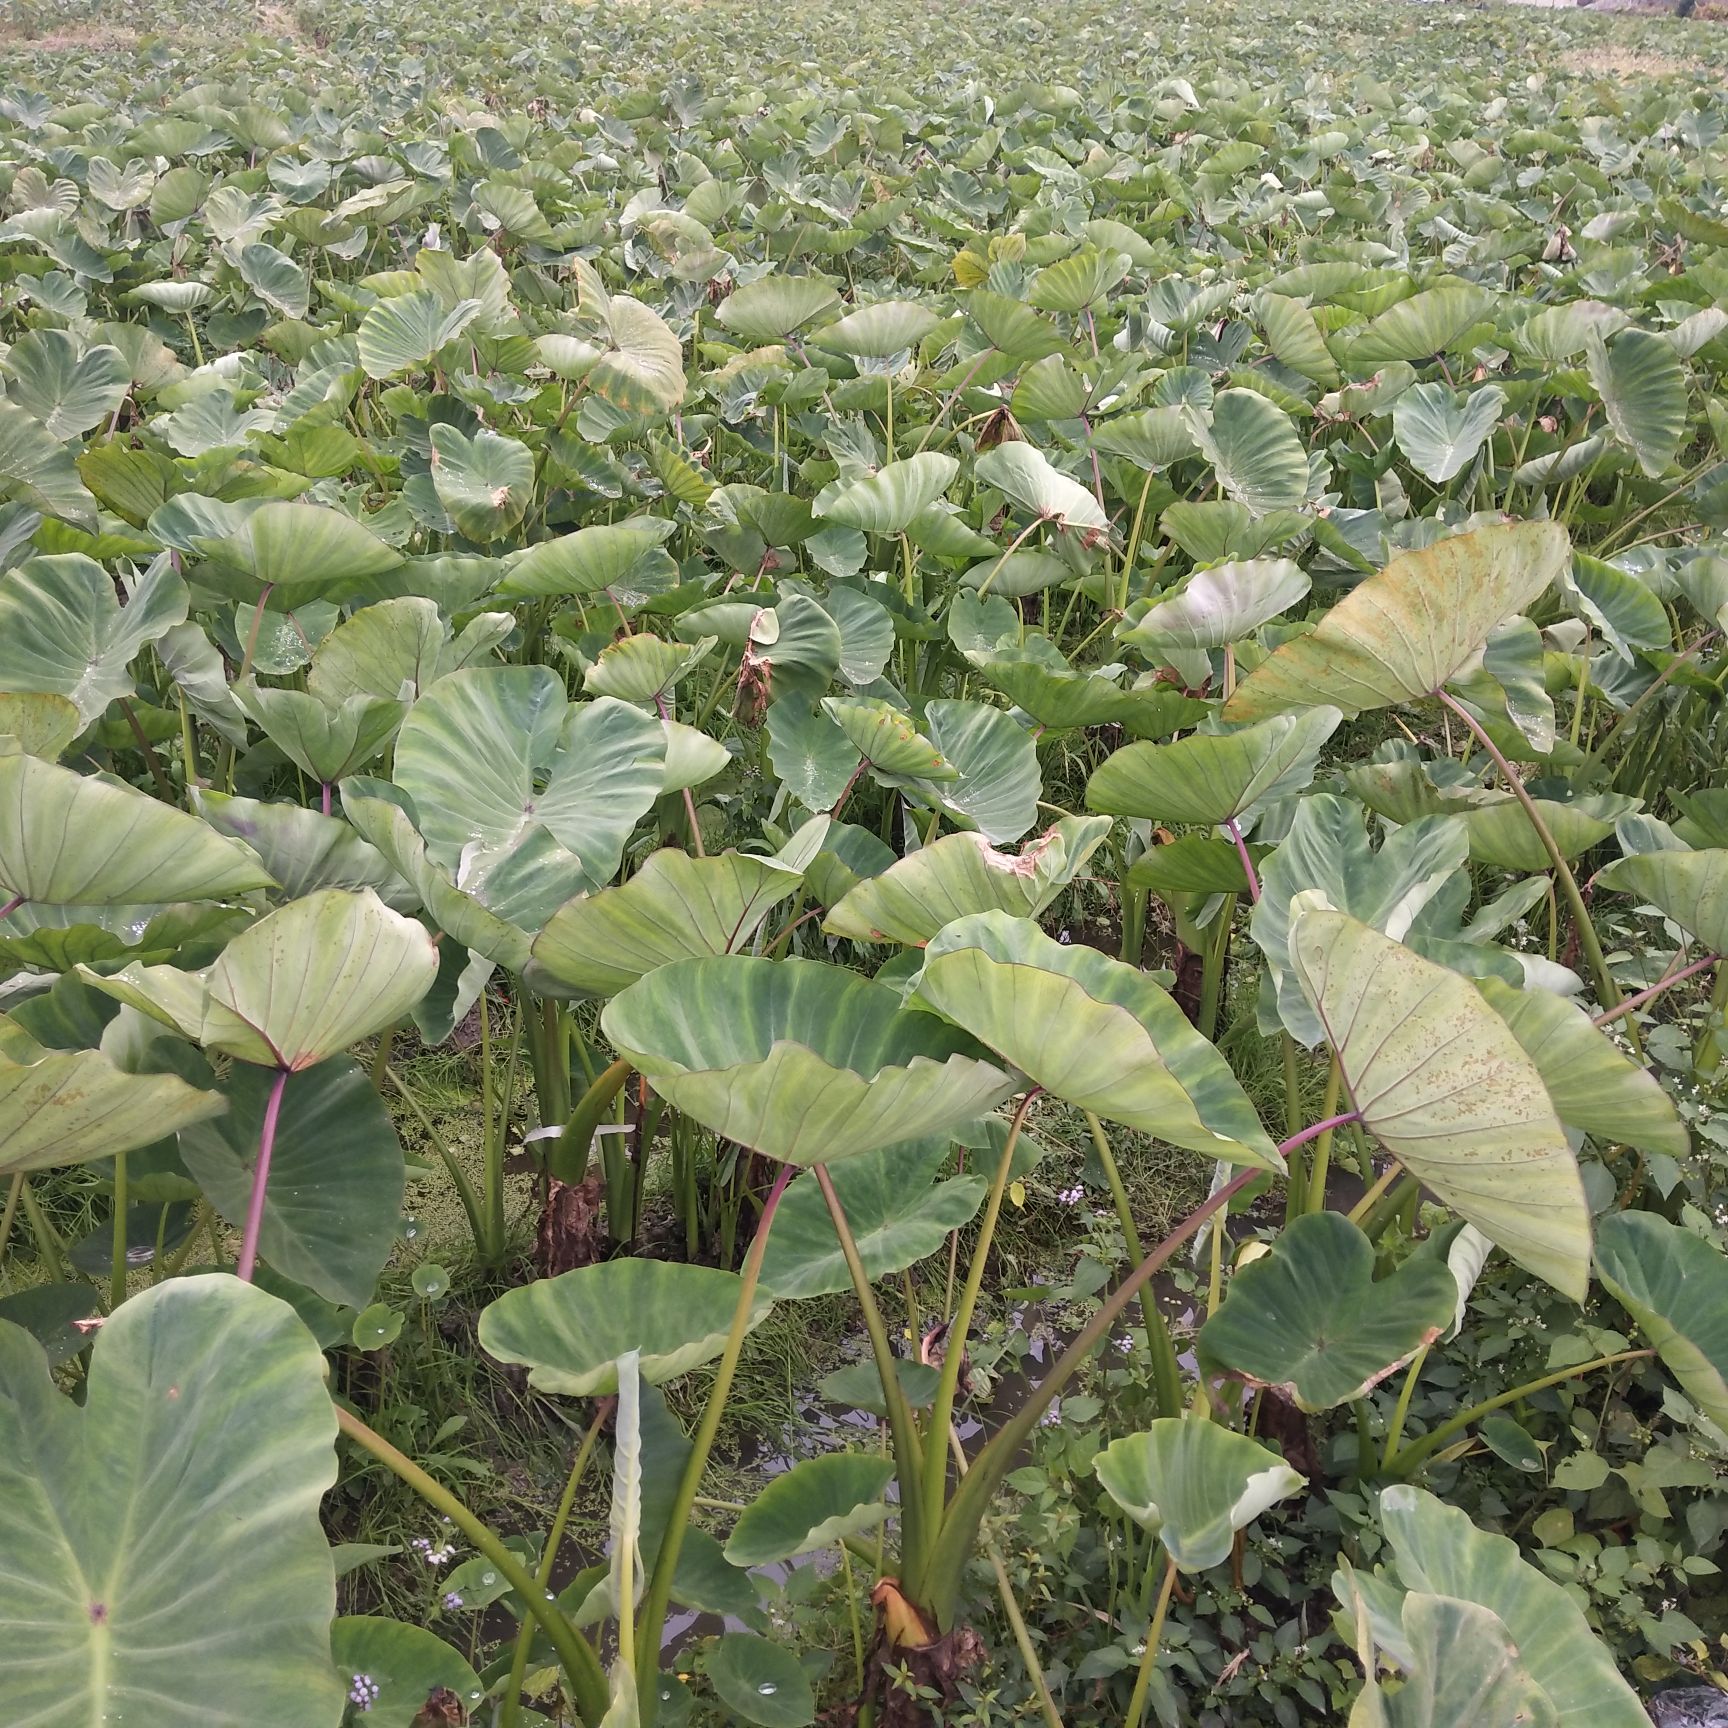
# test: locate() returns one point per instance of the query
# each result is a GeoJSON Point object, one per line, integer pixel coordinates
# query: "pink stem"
{"type": "Point", "coordinates": [1315, 1129]}
{"type": "Point", "coordinates": [1247, 858]}
{"type": "Point", "coordinates": [11, 906]}
{"type": "Point", "coordinates": [326, 797]}
{"type": "Point", "coordinates": [261, 1178]}
{"type": "Point", "coordinates": [1655, 989]}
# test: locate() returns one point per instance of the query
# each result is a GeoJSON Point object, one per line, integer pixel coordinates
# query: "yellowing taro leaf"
{"type": "Point", "coordinates": [1403, 633]}
{"type": "Point", "coordinates": [1439, 1082]}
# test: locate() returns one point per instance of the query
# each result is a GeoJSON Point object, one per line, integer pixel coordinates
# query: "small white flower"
{"type": "Point", "coordinates": [363, 1692]}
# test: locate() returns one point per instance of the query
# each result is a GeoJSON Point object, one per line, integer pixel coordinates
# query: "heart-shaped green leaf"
{"type": "Point", "coordinates": [569, 1331]}
{"type": "Point", "coordinates": [201, 1391]}
{"type": "Point", "coordinates": [301, 985]}
{"type": "Point", "coordinates": [896, 1209]}
{"type": "Point", "coordinates": [71, 839]}
{"type": "Point", "coordinates": [811, 1506]}
{"type": "Point", "coordinates": [1214, 776]}
{"type": "Point", "coordinates": [1194, 1484]}
{"type": "Point", "coordinates": [1675, 1286]}
{"type": "Point", "coordinates": [1311, 1319]}
{"type": "Point", "coordinates": [963, 873]}
{"type": "Point", "coordinates": [798, 1060]}
{"type": "Point", "coordinates": [1091, 1030]}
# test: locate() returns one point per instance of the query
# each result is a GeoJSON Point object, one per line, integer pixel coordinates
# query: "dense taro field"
{"type": "Point", "coordinates": [862, 866]}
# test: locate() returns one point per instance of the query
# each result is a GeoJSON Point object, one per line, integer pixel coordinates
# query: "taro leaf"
{"type": "Point", "coordinates": [1643, 388]}
{"type": "Point", "coordinates": [199, 1390]}
{"type": "Point", "coordinates": [1025, 476]}
{"type": "Point", "coordinates": [1194, 1484]}
{"type": "Point", "coordinates": [1327, 848]}
{"type": "Point", "coordinates": [1509, 686]}
{"type": "Point", "coordinates": [897, 1210]}
{"type": "Point", "coordinates": [773, 307]}
{"type": "Point", "coordinates": [276, 279]}
{"type": "Point", "coordinates": [71, 839]}
{"type": "Point", "coordinates": [328, 743]}
{"type": "Point", "coordinates": [485, 482]}
{"type": "Point", "coordinates": [895, 749]}
{"type": "Point", "coordinates": [620, 557]}
{"type": "Point", "coordinates": [1420, 327]}
{"type": "Point", "coordinates": [1593, 1086]}
{"type": "Point", "coordinates": [1254, 450]}
{"type": "Point", "coordinates": [300, 985]}
{"type": "Point", "coordinates": [691, 756]}
{"type": "Point", "coordinates": [1463, 1668]}
{"type": "Point", "coordinates": [303, 850]}
{"type": "Point", "coordinates": [675, 907]}
{"type": "Point", "coordinates": [51, 1313]}
{"type": "Point", "coordinates": [530, 799]}
{"type": "Point", "coordinates": [43, 725]}
{"type": "Point", "coordinates": [886, 502]}
{"type": "Point", "coordinates": [59, 938]}
{"type": "Point", "coordinates": [385, 818]}
{"type": "Point", "coordinates": [962, 873]}
{"type": "Point", "coordinates": [1501, 834]}
{"type": "Point", "coordinates": [336, 1175]}
{"type": "Point", "coordinates": [1293, 335]}
{"type": "Point", "coordinates": [63, 631]}
{"type": "Point", "coordinates": [1193, 864]}
{"type": "Point", "coordinates": [406, 1663]}
{"type": "Point", "coordinates": [997, 763]}
{"type": "Point", "coordinates": [796, 1059]}
{"type": "Point", "coordinates": [811, 757]}
{"type": "Point", "coordinates": [1060, 697]}
{"type": "Point", "coordinates": [68, 387]}
{"type": "Point", "coordinates": [761, 1682]}
{"type": "Point", "coordinates": [469, 753]}
{"type": "Point", "coordinates": [1675, 1286]}
{"type": "Point", "coordinates": [391, 651]}
{"type": "Point", "coordinates": [1401, 634]}
{"type": "Point", "coordinates": [1625, 609]}
{"type": "Point", "coordinates": [1311, 1320]}
{"type": "Point", "coordinates": [878, 332]}
{"type": "Point", "coordinates": [1091, 1030]}
{"type": "Point", "coordinates": [642, 372]}
{"type": "Point", "coordinates": [1071, 284]}
{"type": "Point", "coordinates": [811, 1506]}
{"type": "Point", "coordinates": [1014, 575]}
{"type": "Point", "coordinates": [641, 669]}
{"type": "Point", "coordinates": [1689, 887]}
{"type": "Point", "coordinates": [1216, 606]}
{"type": "Point", "coordinates": [300, 552]}
{"type": "Point", "coordinates": [1438, 1551]}
{"type": "Point", "coordinates": [405, 331]}
{"type": "Point", "coordinates": [38, 470]}
{"type": "Point", "coordinates": [1213, 776]}
{"type": "Point", "coordinates": [569, 1331]}
{"type": "Point", "coordinates": [1441, 433]}
{"type": "Point", "coordinates": [1428, 1064]}
{"type": "Point", "coordinates": [68, 1106]}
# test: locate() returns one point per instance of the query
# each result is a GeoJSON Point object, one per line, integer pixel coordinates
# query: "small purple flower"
{"type": "Point", "coordinates": [1070, 1196]}
{"type": "Point", "coordinates": [442, 1555]}
{"type": "Point", "coordinates": [363, 1692]}
{"type": "Point", "coordinates": [452, 1601]}
{"type": "Point", "coordinates": [1052, 1417]}
{"type": "Point", "coordinates": [1124, 1345]}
